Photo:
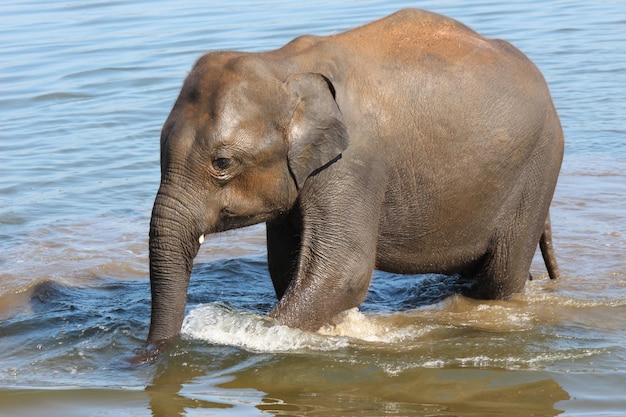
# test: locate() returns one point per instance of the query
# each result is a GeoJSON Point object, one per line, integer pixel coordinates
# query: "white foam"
{"type": "Point", "coordinates": [222, 325]}
{"type": "Point", "coordinates": [356, 325]}
{"type": "Point", "coordinates": [396, 334]}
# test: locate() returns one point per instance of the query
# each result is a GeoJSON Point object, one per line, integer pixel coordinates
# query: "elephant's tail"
{"type": "Point", "coordinates": [547, 250]}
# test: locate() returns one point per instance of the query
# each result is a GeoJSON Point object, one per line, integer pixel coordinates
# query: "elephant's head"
{"type": "Point", "coordinates": [235, 150]}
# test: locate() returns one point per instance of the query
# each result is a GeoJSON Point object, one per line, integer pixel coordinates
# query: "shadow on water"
{"type": "Point", "coordinates": [245, 284]}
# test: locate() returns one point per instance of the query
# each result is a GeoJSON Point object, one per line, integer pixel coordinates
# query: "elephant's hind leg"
{"type": "Point", "coordinates": [501, 273]}
{"type": "Point", "coordinates": [504, 269]}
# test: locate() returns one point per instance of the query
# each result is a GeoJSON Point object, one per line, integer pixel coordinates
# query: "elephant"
{"type": "Point", "coordinates": [410, 144]}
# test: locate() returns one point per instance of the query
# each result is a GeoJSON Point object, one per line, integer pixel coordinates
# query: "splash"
{"type": "Point", "coordinates": [221, 325]}
{"type": "Point", "coordinates": [387, 329]}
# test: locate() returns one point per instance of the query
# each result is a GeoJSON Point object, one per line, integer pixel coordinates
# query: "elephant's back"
{"type": "Point", "coordinates": [424, 59]}
{"type": "Point", "coordinates": [410, 34]}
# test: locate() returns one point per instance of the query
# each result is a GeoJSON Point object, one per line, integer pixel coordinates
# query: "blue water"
{"type": "Point", "coordinates": [86, 87]}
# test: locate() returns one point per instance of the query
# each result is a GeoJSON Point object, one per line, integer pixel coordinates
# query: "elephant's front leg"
{"type": "Point", "coordinates": [335, 260]}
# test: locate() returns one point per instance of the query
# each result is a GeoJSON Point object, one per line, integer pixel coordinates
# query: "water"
{"type": "Point", "coordinates": [85, 89]}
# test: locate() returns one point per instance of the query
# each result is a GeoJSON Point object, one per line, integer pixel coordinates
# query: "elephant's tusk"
{"type": "Point", "coordinates": [201, 239]}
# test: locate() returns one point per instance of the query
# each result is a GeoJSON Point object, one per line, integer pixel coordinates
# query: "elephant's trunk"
{"type": "Point", "coordinates": [174, 233]}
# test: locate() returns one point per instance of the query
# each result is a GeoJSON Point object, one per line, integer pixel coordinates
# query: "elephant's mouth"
{"type": "Point", "coordinates": [229, 220]}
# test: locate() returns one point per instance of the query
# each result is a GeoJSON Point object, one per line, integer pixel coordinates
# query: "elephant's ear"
{"type": "Point", "coordinates": [317, 133]}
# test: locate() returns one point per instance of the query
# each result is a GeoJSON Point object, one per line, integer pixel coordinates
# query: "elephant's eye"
{"type": "Point", "coordinates": [222, 164]}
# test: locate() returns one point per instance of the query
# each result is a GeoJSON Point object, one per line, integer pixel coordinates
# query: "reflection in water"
{"type": "Point", "coordinates": [164, 392]}
{"type": "Point", "coordinates": [291, 385]}
{"type": "Point", "coordinates": [183, 381]}
{"type": "Point", "coordinates": [331, 390]}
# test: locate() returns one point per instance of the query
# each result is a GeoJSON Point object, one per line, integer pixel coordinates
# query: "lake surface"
{"type": "Point", "coordinates": [86, 87]}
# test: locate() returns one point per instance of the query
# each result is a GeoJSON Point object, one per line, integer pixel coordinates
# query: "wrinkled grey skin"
{"type": "Point", "coordinates": [410, 145]}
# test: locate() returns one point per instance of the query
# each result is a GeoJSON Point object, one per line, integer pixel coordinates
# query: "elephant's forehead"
{"type": "Point", "coordinates": [227, 107]}
{"type": "Point", "coordinates": [215, 108]}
